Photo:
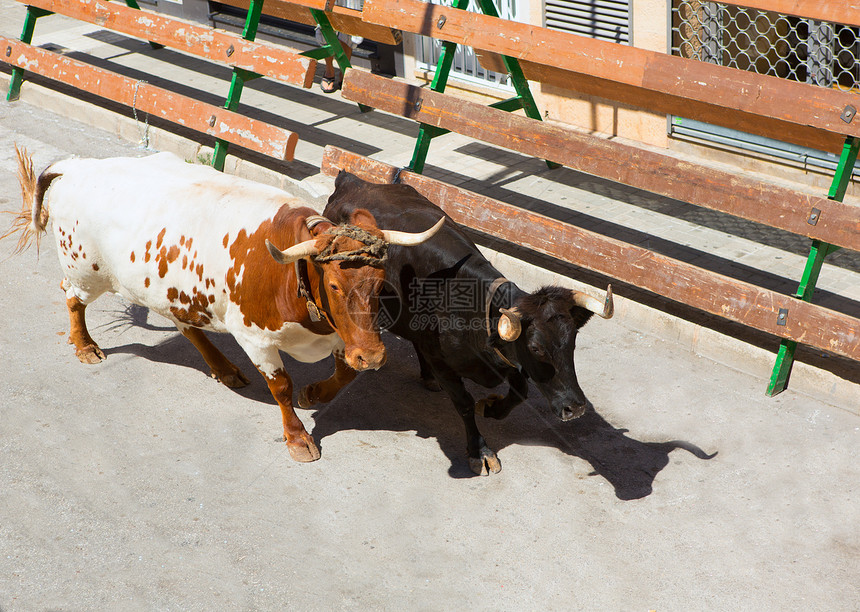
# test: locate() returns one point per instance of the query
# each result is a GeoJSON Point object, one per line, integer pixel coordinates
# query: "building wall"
{"type": "Point", "coordinates": [602, 116]}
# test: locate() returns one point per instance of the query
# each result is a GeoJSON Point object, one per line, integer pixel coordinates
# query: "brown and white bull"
{"type": "Point", "coordinates": [201, 248]}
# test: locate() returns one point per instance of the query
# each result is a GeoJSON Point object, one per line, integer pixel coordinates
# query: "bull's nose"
{"type": "Point", "coordinates": [568, 413]}
{"type": "Point", "coordinates": [366, 360]}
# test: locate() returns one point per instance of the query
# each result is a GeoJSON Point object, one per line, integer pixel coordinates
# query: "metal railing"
{"type": "Point", "coordinates": [805, 50]}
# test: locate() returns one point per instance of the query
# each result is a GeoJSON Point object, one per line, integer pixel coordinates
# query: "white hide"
{"type": "Point", "coordinates": [113, 207]}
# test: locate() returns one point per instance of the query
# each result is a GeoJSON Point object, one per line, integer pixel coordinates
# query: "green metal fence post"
{"type": "Point", "coordinates": [523, 100]}
{"type": "Point", "coordinates": [521, 85]}
{"type": "Point", "coordinates": [331, 48]}
{"type": "Point", "coordinates": [237, 83]}
{"type": "Point", "coordinates": [524, 96]}
{"type": "Point", "coordinates": [426, 132]}
{"type": "Point", "coordinates": [17, 79]}
{"type": "Point", "coordinates": [817, 253]}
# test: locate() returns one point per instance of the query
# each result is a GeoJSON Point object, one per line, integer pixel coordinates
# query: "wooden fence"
{"type": "Point", "coordinates": [248, 59]}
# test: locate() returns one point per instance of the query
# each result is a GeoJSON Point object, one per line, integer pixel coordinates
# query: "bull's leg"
{"type": "Point", "coordinates": [222, 369]}
{"type": "Point", "coordinates": [325, 390]}
{"type": "Point", "coordinates": [299, 441]}
{"type": "Point", "coordinates": [482, 459]}
{"type": "Point", "coordinates": [86, 350]}
{"type": "Point", "coordinates": [498, 407]}
{"type": "Point", "coordinates": [268, 361]}
{"type": "Point", "coordinates": [427, 378]}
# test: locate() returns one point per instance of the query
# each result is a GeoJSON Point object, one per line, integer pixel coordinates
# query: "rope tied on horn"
{"type": "Point", "coordinates": [374, 251]}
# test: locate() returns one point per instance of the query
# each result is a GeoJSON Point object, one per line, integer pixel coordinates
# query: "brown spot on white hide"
{"type": "Point", "coordinates": [166, 256]}
{"type": "Point", "coordinates": [266, 291]}
{"type": "Point", "coordinates": [195, 311]}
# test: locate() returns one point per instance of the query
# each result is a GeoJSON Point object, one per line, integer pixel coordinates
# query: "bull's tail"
{"type": "Point", "coordinates": [30, 222]}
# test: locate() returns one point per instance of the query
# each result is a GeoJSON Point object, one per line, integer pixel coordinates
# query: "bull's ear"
{"type": "Point", "coordinates": [316, 224]}
{"type": "Point", "coordinates": [510, 327]}
{"type": "Point", "coordinates": [363, 218]}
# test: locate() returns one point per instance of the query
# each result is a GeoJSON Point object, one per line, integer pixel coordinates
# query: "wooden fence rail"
{"type": "Point", "coordinates": [225, 47]}
{"type": "Point", "coordinates": [342, 19]}
{"type": "Point", "coordinates": [845, 11]}
{"type": "Point", "coordinates": [182, 110]}
{"type": "Point", "coordinates": [714, 293]}
{"type": "Point", "coordinates": [768, 203]}
{"type": "Point", "coordinates": [248, 59]}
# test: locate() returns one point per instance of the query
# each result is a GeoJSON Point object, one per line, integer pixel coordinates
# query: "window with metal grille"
{"type": "Point", "coordinates": [602, 19]}
{"type": "Point", "coordinates": [816, 52]}
{"type": "Point", "coordinates": [466, 66]}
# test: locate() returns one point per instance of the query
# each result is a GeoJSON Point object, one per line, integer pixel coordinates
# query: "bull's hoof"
{"type": "Point", "coordinates": [234, 379]}
{"type": "Point", "coordinates": [90, 354]}
{"type": "Point", "coordinates": [486, 463]}
{"type": "Point", "coordinates": [482, 405]}
{"type": "Point", "coordinates": [303, 450]}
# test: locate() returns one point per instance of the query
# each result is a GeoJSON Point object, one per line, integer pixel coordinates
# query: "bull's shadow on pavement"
{"type": "Point", "coordinates": [628, 464]}
{"type": "Point", "coordinates": [392, 399]}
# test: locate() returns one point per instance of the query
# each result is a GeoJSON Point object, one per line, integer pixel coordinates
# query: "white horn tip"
{"type": "Point", "coordinates": [275, 251]}
{"type": "Point", "coordinates": [436, 227]}
{"type": "Point", "coordinates": [411, 239]}
{"type": "Point", "coordinates": [608, 304]}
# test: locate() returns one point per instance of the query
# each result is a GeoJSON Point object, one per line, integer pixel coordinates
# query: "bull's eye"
{"type": "Point", "coordinates": [334, 287]}
{"type": "Point", "coordinates": [537, 350]}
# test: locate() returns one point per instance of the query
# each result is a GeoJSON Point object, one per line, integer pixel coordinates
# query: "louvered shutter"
{"type": "Point", "coordinates": [603, 19]}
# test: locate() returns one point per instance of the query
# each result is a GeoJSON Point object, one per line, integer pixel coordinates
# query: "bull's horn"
{"type": "Point", "coordinates": [411, 239]}
{"type": "Point", "coordinates": [605, 309]}
{"type": "Point", "coordinates": [509, 326]}
{"type": "Point", "coordinates": [297, 251]}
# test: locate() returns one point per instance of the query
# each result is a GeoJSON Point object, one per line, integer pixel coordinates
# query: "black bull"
{"type": "Point", "coordinates": [465, 320]}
